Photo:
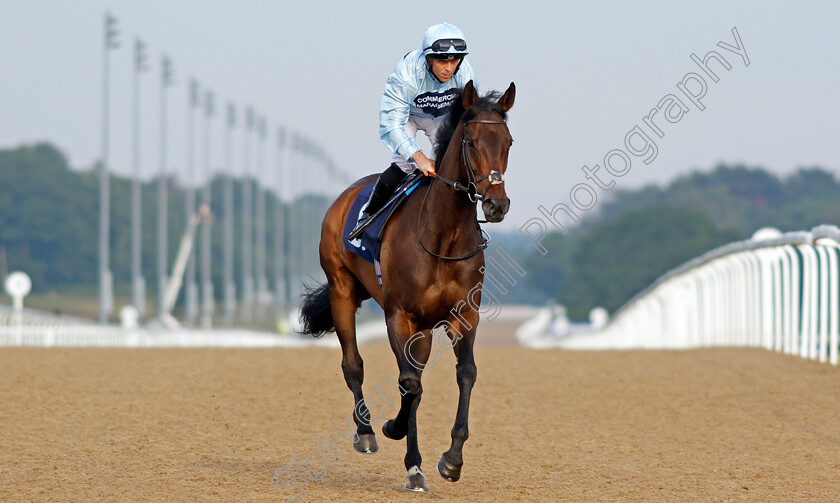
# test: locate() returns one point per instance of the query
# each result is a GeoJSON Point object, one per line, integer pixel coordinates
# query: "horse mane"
{"type": "Point", "coordinates": [457, 114]}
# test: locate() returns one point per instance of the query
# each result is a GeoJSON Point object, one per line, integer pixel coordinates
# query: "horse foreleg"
{"type": "Point", "coordinates": [343, 304]}
{"type": "Point", "coordinates": [452, 460]}
{"type": "Point", "coordinates": [412, 354]}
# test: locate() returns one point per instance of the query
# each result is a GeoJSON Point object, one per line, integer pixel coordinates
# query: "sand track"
{"type": "Point", "coordinates": [214, 425]}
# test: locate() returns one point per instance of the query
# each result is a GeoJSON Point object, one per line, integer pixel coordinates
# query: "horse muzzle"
{"type": "Point", "coordinates": [495, 208]}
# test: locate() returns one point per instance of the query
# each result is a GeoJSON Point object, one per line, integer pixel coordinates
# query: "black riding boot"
{"type": "Point", "coordinates": [382, 191]}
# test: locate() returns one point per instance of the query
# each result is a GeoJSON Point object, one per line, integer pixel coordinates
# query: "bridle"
{"type": "Point", "coordinates": [471, 189]}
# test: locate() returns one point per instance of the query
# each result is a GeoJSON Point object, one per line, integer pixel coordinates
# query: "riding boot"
{"type": "Point", "coordinates": [382, 191]}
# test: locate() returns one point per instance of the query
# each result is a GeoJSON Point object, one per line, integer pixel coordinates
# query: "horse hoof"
{"type": "Point", "coordinates": [366, 443]}
{"type": "Point", "coordinates": [415, 481]}
{"type": "Point", "coordinates": [388, 433]}
{"type": "Point", "coordinates": [447, 470]}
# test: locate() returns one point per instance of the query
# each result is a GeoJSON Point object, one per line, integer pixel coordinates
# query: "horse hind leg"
{"type": "Point", "coordinates": [344, 299]}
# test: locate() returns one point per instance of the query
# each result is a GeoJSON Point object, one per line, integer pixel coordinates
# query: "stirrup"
{"type": "Point", "coordinates": [360, 225]}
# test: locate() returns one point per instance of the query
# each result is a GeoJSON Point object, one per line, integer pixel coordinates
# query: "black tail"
{"type": "Point", "coordinates": [315, 312]}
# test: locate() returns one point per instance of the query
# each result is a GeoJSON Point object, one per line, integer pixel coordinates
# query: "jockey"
{"type": "Point", "coordinates": [417, 97]}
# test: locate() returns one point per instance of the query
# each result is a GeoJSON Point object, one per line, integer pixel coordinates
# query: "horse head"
{"type": "Point", "coordinates": [485, 145]}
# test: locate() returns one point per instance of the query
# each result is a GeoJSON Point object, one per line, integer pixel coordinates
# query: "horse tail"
{"type": "Point", "coordinates": [315, 312]}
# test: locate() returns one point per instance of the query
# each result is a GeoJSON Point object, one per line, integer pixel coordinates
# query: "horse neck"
{"type": "Point", "coordinates": [449, 216]}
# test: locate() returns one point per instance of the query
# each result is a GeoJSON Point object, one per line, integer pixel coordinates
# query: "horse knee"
{"type": "Point", "coordinates": [466, 374]}
{"type": "Point", "coordinates": [411, 385]}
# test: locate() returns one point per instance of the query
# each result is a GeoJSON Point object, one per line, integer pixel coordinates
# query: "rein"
{"type": "Point", "coordinates": [471, 189]}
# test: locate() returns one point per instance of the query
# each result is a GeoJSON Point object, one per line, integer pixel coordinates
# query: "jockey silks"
{"type": "Point", "coordinates": [412, 90]}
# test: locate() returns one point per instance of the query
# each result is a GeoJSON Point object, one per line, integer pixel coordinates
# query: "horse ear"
{"type": "Point", "coordinates": [469, 96]}
{"type": "Point", "coordinates": [506, 100]}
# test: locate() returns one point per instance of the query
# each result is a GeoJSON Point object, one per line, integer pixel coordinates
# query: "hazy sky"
{"type": "Point", "coordinates": [586, 74]}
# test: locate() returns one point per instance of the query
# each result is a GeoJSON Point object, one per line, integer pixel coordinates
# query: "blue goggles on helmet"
{"type": "Point", "coordinates": [446, 44]}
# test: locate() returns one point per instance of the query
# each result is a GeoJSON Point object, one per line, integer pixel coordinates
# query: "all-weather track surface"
{"type": "Point", "coordinates": [709, 425]}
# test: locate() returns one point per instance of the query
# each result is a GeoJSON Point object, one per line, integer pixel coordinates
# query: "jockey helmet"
{"type": "Point", "coordinates": [444, 41]}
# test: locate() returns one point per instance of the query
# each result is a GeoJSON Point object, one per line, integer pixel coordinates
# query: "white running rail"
{"type": "Point", "coordinates": [41, 329]}
{"type": "Point", "coordinates": [782, 294]}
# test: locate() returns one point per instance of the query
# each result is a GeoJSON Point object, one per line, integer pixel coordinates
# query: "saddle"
{"type": "Point", "coordinates": [368, 244]}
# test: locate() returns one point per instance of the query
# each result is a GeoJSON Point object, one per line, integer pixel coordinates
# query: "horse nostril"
{"type": "Point", "coordinates": [505, 205]}
{"type": "Point", "coordinates": [498, 206]}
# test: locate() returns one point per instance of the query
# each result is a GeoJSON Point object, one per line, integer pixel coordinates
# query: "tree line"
{"type": "Point", "coordinates": [49, 221]}
{"type": "Point", "coordinates": [49, 218]}
{"type": "Point", "coordinates": [640, 234]}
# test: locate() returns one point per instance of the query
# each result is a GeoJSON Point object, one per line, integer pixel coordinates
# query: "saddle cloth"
{"type": "Point", "coordinates": [368, 244]}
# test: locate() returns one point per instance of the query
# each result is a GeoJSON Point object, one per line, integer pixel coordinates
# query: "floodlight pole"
{"type": "Point", "coordinates": [207, 297]}
{"type": "Point", "coordinates": [163, 189]}
{"type": "Point", "coordinates": [230, 286]}
{"type": "Point", "coordinates": [247, 214]}
{"type": "Point", "coordinates": [138, 282]}
{"type": "Point", "coordinates": [279, 230]}
{"type": "Point", "coordinates": [262, 281]}
{"type": "Point", "coordinates": [106, 282]}
{"type": "Point", "coordinates": [190, 182]}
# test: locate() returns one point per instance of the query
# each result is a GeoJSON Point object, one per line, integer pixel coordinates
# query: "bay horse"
{"type": "Point", "coordinates": [431, 258]}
